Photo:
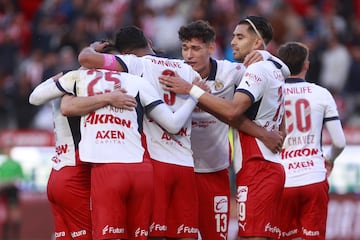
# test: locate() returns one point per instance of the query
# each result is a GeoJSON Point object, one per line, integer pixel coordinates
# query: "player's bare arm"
{"type": "Point", "coordinates": [79, 106]}
{"type": "Point", "coordinates": [272, 139]}
{"type": "Point", "coordinates": [90, 57]}
{"type": "Point", "coordinates": [227, 111]}
{"type": "Point", "coordinates": [231, 115]}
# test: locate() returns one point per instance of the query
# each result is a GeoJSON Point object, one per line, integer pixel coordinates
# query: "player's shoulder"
{"type": "Point", "coordinates": [318, 92]}
{"type": "Point", "coordinates": [259, 65]}
{"type": "Point", "coordinates": [165, 61]}
{"type": "Point", "coordinates": [72, 74]}
{"type": "Point", "coordinates": [129, 56]}
{"type": "Point", "coordinates": [319, 88]}
{"type": "Point", "coordinates": [226, 64]}
{"type": "Point", "coordinates": [129, 76]}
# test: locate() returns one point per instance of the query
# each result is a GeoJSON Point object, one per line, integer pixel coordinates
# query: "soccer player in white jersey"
{"type": "Point", "coordinates": [112, 140]}
{"type": "Point", "coordinates": [308, 108]}
{"type": "Point", "coordinates": [209, 136]}
{"type": "Point", "coordinates": [173, 217]}
{"type": "Point", "coordinates": [260, 181]}
{"type": "Point", "coordinates": [71, 204]}
{"type": "Point", "coordinates": [170, 153]}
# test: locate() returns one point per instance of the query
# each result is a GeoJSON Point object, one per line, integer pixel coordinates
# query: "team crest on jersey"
{"type": "Point", "coordinates": [238, 67]}
{"type": "Point", "coordinates": [218, 84]}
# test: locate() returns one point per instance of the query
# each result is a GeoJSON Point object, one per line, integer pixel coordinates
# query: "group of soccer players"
{"type": "Point", "coordinates": [148, 156]}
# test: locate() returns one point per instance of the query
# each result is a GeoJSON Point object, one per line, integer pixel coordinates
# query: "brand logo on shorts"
{"type": "Point", "coordinates": [186, 229]}
{"type": "Point", "coordinates": [111, 230]}
{"type": "Point", "coordinates": [289, 233]}
{"type": "Point", "coordinates": [59, 234]}
{"type": "Point", "coordinates": [242, 192]}
{"type": "Point", "coordinates": [242, 226]}
{"type": "Point", "coordinates": [310, 233]}
{"type": "Point", "coordinates": [223, 236]}
{"type": "Point", "coordinates": [157, 227]}
{"type": "Point", "coordinates": [78, 233]}
{"type": "Point", "coordinates": [141, 232]}
{"type": "Point", "coordinates": [272, 229]}
{"type": "Point", "coordinates": [220, 204]}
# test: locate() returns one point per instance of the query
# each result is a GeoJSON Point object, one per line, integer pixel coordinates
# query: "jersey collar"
{"type": "Point", "coordinates": [294, 80]}
{"type": "Point", "coordinates": [213, 69]}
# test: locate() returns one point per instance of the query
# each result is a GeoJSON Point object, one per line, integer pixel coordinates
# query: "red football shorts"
{"type": "Point", "coordinates": [175, 211]}
{"type": "Point", "coordinates": [304, 211]}
{"type": "Point", "coordinates": [260, 185]}
{"type": "Point", "coordinates": [121, 198]}
{"type": "Point", "coordinates": [214, 204]}
{"type": "Point", "coordinates": [68, 191]}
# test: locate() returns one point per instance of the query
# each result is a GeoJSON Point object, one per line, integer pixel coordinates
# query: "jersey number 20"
{"type": "Point", "coordinates": [300, 118]}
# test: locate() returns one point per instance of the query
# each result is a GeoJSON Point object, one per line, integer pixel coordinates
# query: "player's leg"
{"type": "Point", "coordinates": [110, 188]}
{"type": "Point", "coordinates": [290, 206]}
{"type": "Point", "coordinates": [260, 184]}
{"type": "Point", "coordinates": [214, 204]}
{"type": "Point", "coordinates": [183, 212]}
{"type": "Point", "coordinates": [61, 230]}
{"type": "Point", "coordinates": [140, 202]}
{"type": "Point", "coordinates": [314, 210]}
{"type": "Point", "coordinates": [163, 186]}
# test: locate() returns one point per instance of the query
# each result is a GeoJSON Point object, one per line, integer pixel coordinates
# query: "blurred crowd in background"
{"type": "Point", "coordinates": [39, 38]}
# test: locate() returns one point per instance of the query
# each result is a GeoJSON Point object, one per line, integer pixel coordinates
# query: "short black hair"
{"type": "Point", "coordinates": [294, 55]}
{"type": "Point", "coordinates": [130, 38]}
{"type": "Point", "coordinates": [262, 25]}
{"type": "Point", "coordinates": [110, 47]}
{"type": "Point", "coordinates": [197, 29]}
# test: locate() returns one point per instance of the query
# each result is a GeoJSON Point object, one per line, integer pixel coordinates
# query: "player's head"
{"type": "Point", "coordinates": [295, 55]}
{"type": "Point", "coordinates": [110, 47]}
{"type": "Point", "coordinates": [199, 29]}
{"type": "Point", "coordinates": [198, 44]}
{"type": "Point", "coordinates": [251, 33]}
{"type": "Point", "coordinates": [130, 39]}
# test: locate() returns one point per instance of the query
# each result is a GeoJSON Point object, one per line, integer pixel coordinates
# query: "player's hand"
{"type": "Point", "coordinates": [252, 57]}
{"type": "Point", "coordinates": [119, 99]}
{"type": "Point", "coordinates": [175, 84]}
{"type": "Point", "coordinates": [202, 84]}
{"type": "Point", "coordinates": [273, 140]}
{"type": "Point", "coordinates": [99, 46]}
{"type": "Point", "coordinates": [329, 167]}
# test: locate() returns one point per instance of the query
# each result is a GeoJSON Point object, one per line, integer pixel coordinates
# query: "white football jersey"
{"type": "Point", "coordinates": [109, 134]}
{"type": "Point", "coordinates": [163, 146]}
{"type": "Point", "coordinates": [209, 135]}
{"type": "Point", "coordinates": [307, 107]}
{"type": "Point", "coordinates": [67, 137]}
{"type": "Point", "coordinates": [263, 82]}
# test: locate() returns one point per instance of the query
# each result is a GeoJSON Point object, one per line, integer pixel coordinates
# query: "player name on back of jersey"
{"type": "Point", "coordinates": [166, 62]}
{"type": "Point", "coordinates": [301, 140]}
{"type": "Point", "coordinates": [298, 90]}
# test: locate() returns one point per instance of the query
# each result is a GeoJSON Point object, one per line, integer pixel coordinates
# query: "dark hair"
{"type": "Point", "coordinates": [130, 38]}
{"type": "Point", "coordinates": [110, 48]}
{"type": "Point", "coordinates": [198, 29]}
{"type": "Point", "coordinates": [262, 25]}
{"type": "Point", "coordinates": [294, 55]}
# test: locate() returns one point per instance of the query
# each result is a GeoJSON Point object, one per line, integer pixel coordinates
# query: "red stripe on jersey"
{"type": "Point", "coordinates": [250, 148]}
